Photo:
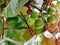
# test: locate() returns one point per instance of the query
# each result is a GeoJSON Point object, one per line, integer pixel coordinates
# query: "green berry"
{"type": "Point", "coordinates": [34, 15]}
{"type": "Point", "coordinates": [51, 19]}
{"type": "Point", "coordinates": [39, 23]}
{"type": "Point", "coordinates": [51, 11]}
{"type": "Point", "coordinates": [38, 31]}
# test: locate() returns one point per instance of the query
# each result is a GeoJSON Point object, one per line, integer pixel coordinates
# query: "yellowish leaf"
{"type": "Point", "coordinates": [27, 35]}
{"type": "Point", "coordinates": [24, 10]}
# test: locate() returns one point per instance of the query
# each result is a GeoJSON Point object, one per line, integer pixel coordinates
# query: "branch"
{"type": "Point", "coordinates": [1, 41]}
{"type": "Point", "coordinates": [36, 7]}
{"type": "Point", "coordinates": [16, 28]}
{"type": "Point", "coordinates": [10, 40]}
{"type": "Point", "coordinates": [3, 22]}
{"type": "Point", "coordinates": [3, 29]}
{"type": "Point", "coordinates": [30, 29]}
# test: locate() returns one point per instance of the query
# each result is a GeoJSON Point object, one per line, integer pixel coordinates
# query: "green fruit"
{"type": "Point", "coordinates": [38, 31]}
{"type": "Point", "coordinates": [40, 27]}
{"type": "Point", "coordinates": [51, 11]}
{"type": "Point", "coordinates": [34, 15]}
{"type": "Point", "coordinates": [51, 19]}
{"type": "Point", "coordinates": [39, 23]}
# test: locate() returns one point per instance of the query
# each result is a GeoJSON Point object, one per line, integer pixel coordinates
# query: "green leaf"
{"type": "Point", "coordinates": [17, 21]}
{"type": "Point", "coordinates": [58, 2]}
{"type": "Point", "coordinates": [1, 2]}
{"type": "Point", "coordinates": [15, 34]}
{"type": "Point", "coordinates": [8, 43]}
{"type": "Point", "coordinates": [14, 7]}
{"type": "Point", "coordinates": [45, 7]}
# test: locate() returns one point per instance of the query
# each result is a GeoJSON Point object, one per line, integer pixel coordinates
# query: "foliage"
{"type": "Point", "coordinates": [37, 19]}
{"type": "Point", "coordinates": [13, 8]}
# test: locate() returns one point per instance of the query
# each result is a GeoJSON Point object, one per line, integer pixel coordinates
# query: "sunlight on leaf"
{"type": "Point", "coordinates": [14, 7]}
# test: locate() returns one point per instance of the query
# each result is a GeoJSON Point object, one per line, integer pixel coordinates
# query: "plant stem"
{"type": "Point", "coordinates": [30, 29]}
